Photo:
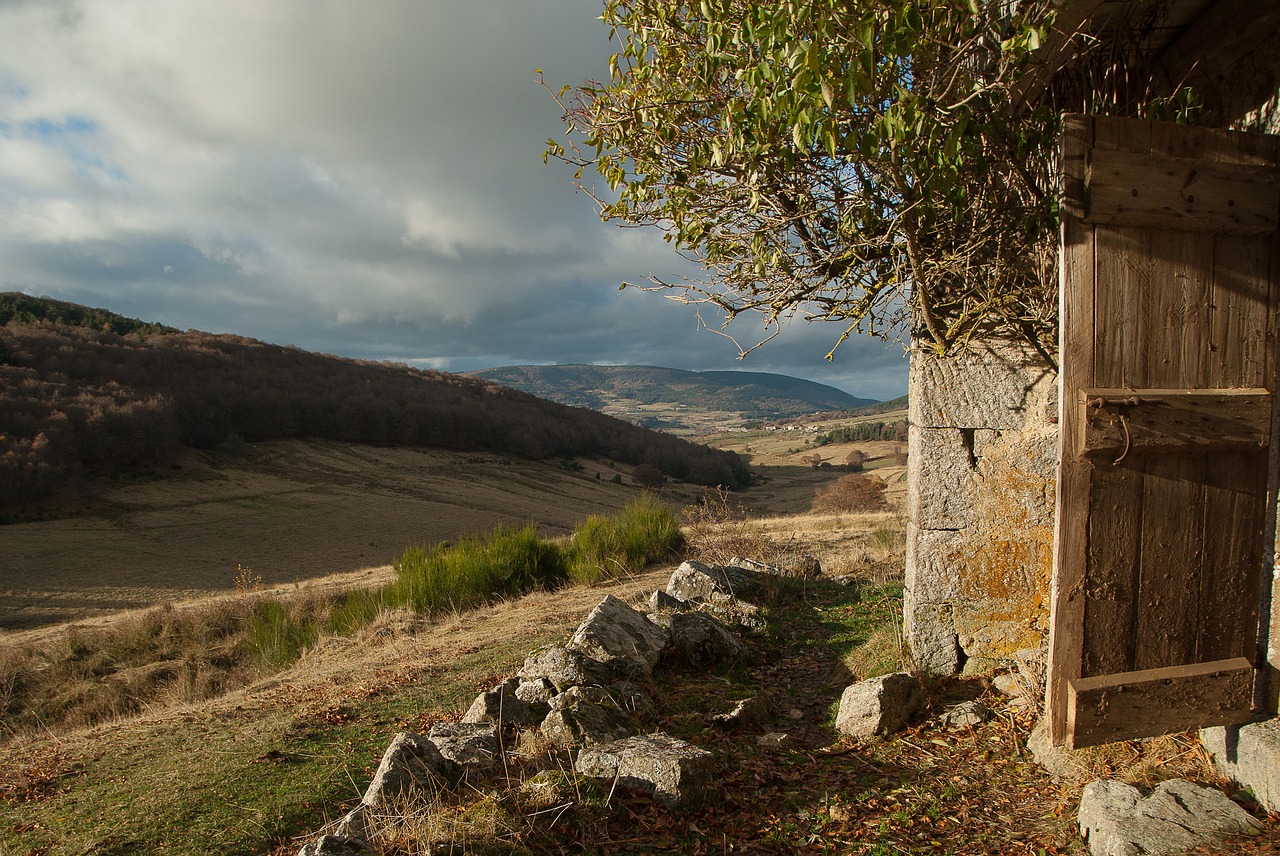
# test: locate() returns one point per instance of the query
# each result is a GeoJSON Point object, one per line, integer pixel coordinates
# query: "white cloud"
{"type": "Point", "coordinates": [358, 178]}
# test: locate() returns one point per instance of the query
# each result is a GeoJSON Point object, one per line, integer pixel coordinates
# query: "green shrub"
{"type": "Point", "coordinates": [475, 570]}
{"type": "Point", "coordinates": [277, 637]}
{"type": "Point", "coordinates": [354, 610]}
{"type": "Point", "coordinates": [605, 547]}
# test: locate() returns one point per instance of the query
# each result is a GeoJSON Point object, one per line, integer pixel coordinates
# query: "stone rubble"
{"type": "Point", "coordinates": [586, 694]}
{"type": "Point", "coordinates": [1117, 819]}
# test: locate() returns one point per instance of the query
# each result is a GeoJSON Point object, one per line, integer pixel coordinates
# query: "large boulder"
{"type": "Point", "coordinates": [617, 635]}
{"type": "Point", "coordinates": [410, 763]}
{"type": "Point", "coordinates": [1117, 820]}
{"type": "Point", "coordinates": [879, 706]}
{"type": "Point", "coordinates": [676, 773]}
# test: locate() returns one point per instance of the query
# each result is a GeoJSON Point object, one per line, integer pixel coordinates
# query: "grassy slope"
{"type": "Point", "coordinates": [291, 510]}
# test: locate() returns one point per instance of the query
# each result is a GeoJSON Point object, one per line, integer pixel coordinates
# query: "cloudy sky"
{"type": "Point", "coordinates": [363, 179]}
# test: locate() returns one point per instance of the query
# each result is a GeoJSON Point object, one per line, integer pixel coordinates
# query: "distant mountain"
{"type": "Point", "coordinates": [657, 395]}
{"type": "Point", "coordinates": [87, 392]}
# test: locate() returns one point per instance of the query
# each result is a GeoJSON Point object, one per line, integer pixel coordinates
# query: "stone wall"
{"type": "Point", "coordinates": [982, 479]}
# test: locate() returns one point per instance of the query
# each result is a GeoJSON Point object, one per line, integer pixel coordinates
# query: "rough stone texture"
{"type": "Point", "coordinates": [501, 706]}
{"type": "Point", "coordinates": [991, 385]}
{"type": "Point", "coordinates": [338, 845]}
{"type": "Point", "coordinates": [616, 634]}
{"type": "Point", "coordinates": [586, 716]}
{"type": "Point", "coordinates": [702, 640]}
{"type": "Point", "coordinates": [879, 706]}
{"type": "Point", "coordinates": [410, 763]}
{"type": "Point", "coordinates": [474, 745]}
{"type": "Point", "coordinates": [694, 581]}
{"type": "Point", "coordinates": [940, 495]}
{"type": "Point", "coordinates": [967, 714]}
{"type": "Point", "coordinates": [805, 567]}
{"type": "Point", "coordinates": [931, 635]}
{"type": "Point", "coordinates": [660, 601]}
{"type": "Point", "coordinates": [1056, 760]}
{"type": "Point", "coordinates": [775, 740]}
{"type": "Point", "coordinates": [982, 476]}
{"type": "Point", "coordinates": [1117, 820]}
{"type": "Point", "coordinates": [537, 691]}
{"type": "Point", "coordinates": [678, 774]}
{"type": "Point", "coordinates": [1250, 756]}
{"type": "Point", "coordinates": [564, 668]}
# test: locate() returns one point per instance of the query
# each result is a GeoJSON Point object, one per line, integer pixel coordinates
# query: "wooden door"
{"type": "Point", "coordinates": [1168, 318]}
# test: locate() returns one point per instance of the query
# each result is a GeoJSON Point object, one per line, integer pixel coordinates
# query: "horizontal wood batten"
{"type": "Point", "coordinates": [1125, 188]}
{"type": "Point", "coordinates": [1128, 705]}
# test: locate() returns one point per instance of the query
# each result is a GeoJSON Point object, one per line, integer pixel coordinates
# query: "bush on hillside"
{"type": "Point", "coordinates": [851, 493]}
{"type": "Point", "coordinates": [606, 547]}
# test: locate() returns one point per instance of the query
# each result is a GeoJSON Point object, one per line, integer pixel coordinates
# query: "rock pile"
{"type": "Point", "coordinates": [587, 694]}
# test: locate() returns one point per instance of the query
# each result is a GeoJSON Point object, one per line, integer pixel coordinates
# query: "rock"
{"type": "Point", "coordinates": [775, 740]}
{"type": "Point", "coordinates": [563, 668]}
{"type": "Point", "coordinates": [356, 823]}
{"type": "Point", "coordinates": [537, 691]}
{"type": "Point", "coordinates": [474, 745]}
{"type": "Point", "coordinates": [661, 602]}
{"type": "Point", "coordinates": [1056, 760]}
{"type": "Point", "coordinates": [702, 640]}
{"type": "Point", "coordinates": [616, 634]}
{"type": "Point", "coordinates": [586, 716]}
{"type": "Point", "coordinates": [694, 581]}
{"type": "Point", "coordinates": [879, 706]}
{"type": "Point", "coordinates": [338, 845]}
{"type": "Point", "coordinates": [748, 713]}
{"type": "Point", "coordinates": [676, 773]}
{"type": "Point", "coordinates": [411, 762]}
{"type": "Point", "coordinates": [502, 707]}
{"type": "Point", "coordinates": [1249, 755]}
{"type": "Point", "coordinates": [967, 714]}
{"type": "Point", "coordinates": [1117, 820]}
{"type": "Point", "coordinates": [748, 616]}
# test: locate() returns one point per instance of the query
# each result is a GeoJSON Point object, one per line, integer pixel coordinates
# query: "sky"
{"type": "Point", "coordinates": [361, 179]}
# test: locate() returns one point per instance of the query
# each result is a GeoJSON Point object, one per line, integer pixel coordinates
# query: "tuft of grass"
{"type": "Point", "coordinates": [608, 547]}
{"type": "Point", "coordinates": [278, 635]}
{"type": "Point", "coordinates": [476, 570]}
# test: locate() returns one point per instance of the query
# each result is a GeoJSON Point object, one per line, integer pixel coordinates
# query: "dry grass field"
{"type": "Point", "coordinates": [293, 511]}
{"type": "Point", "coordinates": [299, 512]}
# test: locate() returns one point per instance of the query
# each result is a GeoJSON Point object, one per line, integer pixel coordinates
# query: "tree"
{"type": "Point", "coordinates": [855, 460]}
{"type": "Point", "coordinates": [865, 161]}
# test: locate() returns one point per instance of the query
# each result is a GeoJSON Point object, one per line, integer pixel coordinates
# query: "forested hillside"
{"type": "Point", "coordinates": [83, 391]}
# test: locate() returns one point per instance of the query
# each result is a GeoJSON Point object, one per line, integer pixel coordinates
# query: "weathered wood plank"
{"type": "Point", "coordinates": [1159, 701]}
{"type": "Point", "coordinates": [1115, 423]}
{"type": "Point", "coordinates": [1137, 189]}
{"type": "Point", "coordinates": [1239, 321]}
{"type": "Point", "coordinates": [1171, 562]}
{"type": "Point", "coordinates": [1114, 563]}
{"type": "Point", "coordinates": [1235, 495]}
{"type": "Point", "coordinates": [1076, 311]}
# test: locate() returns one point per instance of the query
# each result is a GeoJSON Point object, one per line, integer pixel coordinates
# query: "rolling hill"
{"type": "Point", "coordinates": [665, 397]}
{"type": "Point", "coordinates": [87, 392]}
